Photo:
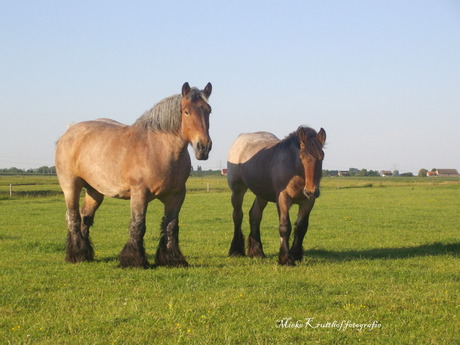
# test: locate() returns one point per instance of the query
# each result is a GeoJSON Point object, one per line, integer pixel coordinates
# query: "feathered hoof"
{"type": "Point", "coordinates": [78, 249]}
{"type": "Point", "coordinates": [237, 247]}
{"type": "Point", "coordinates": [296, 255]}
{"type": "Point", "coordinates": [170, 259]}
{"type": "Point", "coordinates": [236, 253]}
{"type": "Point", "coordinates": [286, 261]}
{"type": "Point", "coordinates": [133, 256]}
{"type": "Point", "coordinates": [255, 249]}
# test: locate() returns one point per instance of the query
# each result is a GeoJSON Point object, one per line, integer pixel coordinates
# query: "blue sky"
{"type": "Point", "coordinates": [381, 77]}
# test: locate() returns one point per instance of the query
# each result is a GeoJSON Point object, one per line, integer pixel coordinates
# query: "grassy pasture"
{"type": "Point", "coordinates": [380, 253]}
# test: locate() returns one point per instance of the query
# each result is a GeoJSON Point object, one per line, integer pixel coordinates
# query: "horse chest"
{"type": "Point", "coordinates": [169, 182]}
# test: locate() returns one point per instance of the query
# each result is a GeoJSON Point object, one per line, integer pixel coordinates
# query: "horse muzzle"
{"type": "Point", "coordinates": [202, 150]}
{"type": "Point", "coordinates": [311, 195]}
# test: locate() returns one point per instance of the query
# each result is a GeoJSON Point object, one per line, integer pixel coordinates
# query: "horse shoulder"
{"type": "Point", "coordinates": [162, 165]}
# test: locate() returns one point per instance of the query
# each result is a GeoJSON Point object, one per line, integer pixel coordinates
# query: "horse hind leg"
{"type": "Point", "coordinates": [77, 247]}
{"type": "Point", "coordinates": [255, 217]}
{"type": "Point", "coordinates": [91, 203]}
{"type": "Point", "coordinates": [237, 245]}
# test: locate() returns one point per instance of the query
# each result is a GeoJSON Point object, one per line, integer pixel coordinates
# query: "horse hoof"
{"type": "Point", "coordinates": [286, 261]}
{"type": "Point", "coordinates": [234, 253]}
{"type": "Point", "coordinates": [289, 264]}
{"type": "Point", "coordinates": [256, 254]}
{"type": "Point", "coordinates": [165, 258]}
{"type": "Point", "coordinates": [182, 264]}
{"type": "Point", "coordinates": [297, 256]}
{"type": "Point", "coordinates": [134, 263]}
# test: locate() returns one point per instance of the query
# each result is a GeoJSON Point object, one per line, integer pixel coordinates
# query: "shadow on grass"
{"type": "Point", "coordinates": [192, 260]}
{"type": "Point", "coordinates": [434, 249]}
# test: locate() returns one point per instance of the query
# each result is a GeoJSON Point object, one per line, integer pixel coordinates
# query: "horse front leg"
{"type": "Point", "coordinates": [301, 227]}
{"type": "Point", "coordinates": [283, 204]}
{"type": "Point", "coordinates": [91, 203]}
{"type": "Point", "coordinates": [168, 252]}
{"type": "Point", "coordinates": [133, 253]}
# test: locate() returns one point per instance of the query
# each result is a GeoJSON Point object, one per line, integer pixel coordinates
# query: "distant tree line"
{"type": "Point", "coordinates": [351, 172]}
{"type": "Point", "coordinates": [365, 172]}
{"type": "Point", "coordinates": [41, 170]}
{"type": "Point", "coordinates": [362, 173]}
{"type": "Point", "coordinates": [200, 172]}
{"type": "Point", "coordinates": [423, 172]}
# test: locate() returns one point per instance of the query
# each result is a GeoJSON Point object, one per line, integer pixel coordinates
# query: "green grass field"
{"type": "Point", "coordinates": [381, 267]}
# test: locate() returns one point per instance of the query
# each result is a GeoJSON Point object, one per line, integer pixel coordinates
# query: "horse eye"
{"type": "Point", "coordinates": [187, 113]}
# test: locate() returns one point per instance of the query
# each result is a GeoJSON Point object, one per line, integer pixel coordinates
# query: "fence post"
{"type": "Point", "coordinates": [207, 187]}
{"type": "Point", "coordinates": [11, 190]}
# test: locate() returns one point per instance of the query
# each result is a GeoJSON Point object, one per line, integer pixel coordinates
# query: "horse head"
{"type": "Point", "coordinates": [311, 155]}
{"type": "Point", "coordinates": [195, 119]}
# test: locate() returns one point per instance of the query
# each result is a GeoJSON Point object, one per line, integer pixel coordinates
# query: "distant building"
{"type": "Point", "coordinates": [443, 173]}
{"type": "Point", "coordinates": [448, 172]}
{"type": "Point", "coordinates": [343, 173]}
{"type": "Point", "coordinates": [386, 173]}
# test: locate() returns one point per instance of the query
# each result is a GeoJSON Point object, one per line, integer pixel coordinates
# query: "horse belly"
{"type": "Point", "coordinates": [111, 189]}
{"type": "Point", "coordinates": [263, 193]}
{"type": "Point", "coordinates": [260, 183]}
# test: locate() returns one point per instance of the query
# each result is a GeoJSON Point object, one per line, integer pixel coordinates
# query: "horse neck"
{"type": "Point", "coordinates": [290, 148]}
{"type": "Point", "coordinates": [169, 144]}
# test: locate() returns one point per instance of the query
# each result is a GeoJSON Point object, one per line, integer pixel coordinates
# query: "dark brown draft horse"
{"type": "Point", "coordinates": [148, 160]}
{"type": "Point", "coordinates": [283, 171]}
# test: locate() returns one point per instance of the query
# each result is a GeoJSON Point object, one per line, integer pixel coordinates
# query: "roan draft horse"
{"type": "Point", "coordinates": [142, 162]}
{"type": "Point", "coordinates": [283, 171]}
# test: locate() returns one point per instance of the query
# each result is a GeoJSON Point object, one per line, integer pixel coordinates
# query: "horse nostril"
{"type": "Point", "coordinates": [203, 148]}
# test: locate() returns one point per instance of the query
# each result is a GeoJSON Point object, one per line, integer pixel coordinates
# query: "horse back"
{"type": "Point", "coordinates": [248, 144]}
{"type": "Point", "coordinates": [114, 158]}
{"type": "Point", "coordinates": [110, 122]}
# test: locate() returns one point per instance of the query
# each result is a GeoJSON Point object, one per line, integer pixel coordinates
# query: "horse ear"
{"type": "Point", "coordinates": [207, 90]}
{"type": "Point", "coordinates": [302, 136]}
{"type": "Point", "coordinates": [321, 136]}
{"type": "Point", "coordinates": [185, 89]}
